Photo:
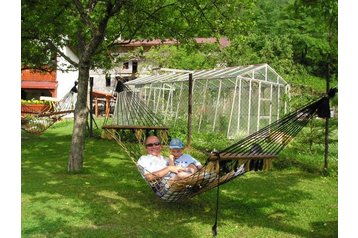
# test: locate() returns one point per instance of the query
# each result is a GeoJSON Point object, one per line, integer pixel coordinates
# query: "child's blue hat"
{"type": "Point", "coordinates": [176, 144]}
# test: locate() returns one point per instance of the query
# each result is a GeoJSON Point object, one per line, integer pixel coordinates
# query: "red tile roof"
{"type": "Point", "coordinates": [101, 94]}
{"type": "Point", "coordinates": [39, 84]}
{"type": "Point", "coordinates": [32, 75]}
{"type": "Point", "coordinates": [223, 41]}
{"type": "Point", "coordinates": [136, 43]}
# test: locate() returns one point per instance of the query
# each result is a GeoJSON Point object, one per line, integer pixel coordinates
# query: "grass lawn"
{"type": "Point", "coordinates": [110, 199]}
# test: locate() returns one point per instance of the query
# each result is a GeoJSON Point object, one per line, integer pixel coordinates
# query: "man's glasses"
{"type": "Point", "coordinates": [153, 144]}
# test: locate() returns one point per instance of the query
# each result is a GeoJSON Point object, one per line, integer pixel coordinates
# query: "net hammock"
{"type": "Point", "coordinates": [132, 114]}
{"type": "Point", "coordinates": [254, 152]}
{"type": "Point", "coordinates": [37, 122]}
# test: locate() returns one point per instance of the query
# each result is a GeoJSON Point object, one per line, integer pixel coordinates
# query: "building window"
{"type": "Point", "coordinates": [28, 94]}
{"type": "Point", "coordinates": [108, 80]}
{"type": "Point", "coordinates": [126, 65]}
{"type": "Point", "coordinates": [134, 67]}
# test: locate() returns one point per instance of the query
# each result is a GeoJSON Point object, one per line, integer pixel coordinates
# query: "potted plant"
{"type": "Point", "coordinates": [34, 106]}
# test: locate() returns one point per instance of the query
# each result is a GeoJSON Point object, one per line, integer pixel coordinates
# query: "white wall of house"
{"type": "Point", "coordinates": [122, 70]}
{"type": "Point", "coordinates": [99, 81]}
{"type": "Point", "coordinates": [66, 80]}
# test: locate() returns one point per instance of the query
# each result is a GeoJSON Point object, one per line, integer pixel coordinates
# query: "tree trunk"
{"type": "Point", "coordinates": [75, 160]}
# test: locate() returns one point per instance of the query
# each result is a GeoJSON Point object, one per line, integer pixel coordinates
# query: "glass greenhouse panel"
{"type": "Point", "coordinates": [234, 101]}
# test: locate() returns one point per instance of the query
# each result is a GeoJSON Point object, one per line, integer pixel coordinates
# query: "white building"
{"type": "Point", "coordinates": [66, 79]}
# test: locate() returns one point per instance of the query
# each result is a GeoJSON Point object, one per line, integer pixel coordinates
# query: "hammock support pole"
{"type": "Point", "coordinates": [190, 109]}
{"type": "Point", "coordinates": [325, 167]}
{"type": "Point", "coordinates": [90, 108]}
{"type": "Point", "coordinates": [214, 228]}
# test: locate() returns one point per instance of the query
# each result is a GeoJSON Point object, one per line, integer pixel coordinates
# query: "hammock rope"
{"type": "Point", "coordinates": [37, 122]}
{"type": "Point", "coordinates": [131, 113]}
{"type": "Point", "coordinates": [254, 152]}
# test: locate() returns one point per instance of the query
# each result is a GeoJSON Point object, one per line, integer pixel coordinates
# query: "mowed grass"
{"type": "Point", "coordinates": [110, 199]}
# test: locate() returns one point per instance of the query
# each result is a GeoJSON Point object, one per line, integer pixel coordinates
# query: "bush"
{"type": "Point", "coordinates": [34, 101]}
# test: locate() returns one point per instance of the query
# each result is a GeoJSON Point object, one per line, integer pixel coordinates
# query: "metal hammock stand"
{"type": "Point", "coordinates": [131, 114]}
{"type": "Point", "coordinates": [254, 152]}
{"type": "Point", "coordinates": [38, 122]}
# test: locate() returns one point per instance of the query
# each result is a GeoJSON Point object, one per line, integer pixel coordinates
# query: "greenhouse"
{"type": "Point", "coordinates": [236, 101]}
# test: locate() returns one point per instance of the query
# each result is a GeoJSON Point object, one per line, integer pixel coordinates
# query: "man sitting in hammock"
{"type": "Point", "coordinates": [154, 165]}
{"type": "Point", "coordinates": [159, 172]}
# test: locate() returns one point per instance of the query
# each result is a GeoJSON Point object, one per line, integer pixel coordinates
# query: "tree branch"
{"type": "Point", "coordinates": [91, 5]}
{"type": "Point", "coordinates": [84, 14]}
{"type": "Point", "coordinates": [220, 12]}
{"type": "Point", "coordinates": [117, 7]}
{"type": "Point", "coordinates": [100, 31]}
{"type": "Point", "coordinates": [134, 32]}
{"type": "Point", "coordinates": [56, 48]}
{"type": "Point", "coordinates": [204, 16]}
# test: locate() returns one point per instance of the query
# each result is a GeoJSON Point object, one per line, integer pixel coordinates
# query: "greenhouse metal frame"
{"type": "Point", "coordinates": [235, 100]}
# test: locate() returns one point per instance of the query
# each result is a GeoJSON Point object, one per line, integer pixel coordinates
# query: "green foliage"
{"type": "Point", "coordinates": [307, 150]}
{"type": "Point", "coordinates": [207, 141]}
{"type": "Point", "coordinates": [261, 48]}
{"type": "Point", "coordinates": [314, 30]}
{"type": "Point", "coordinates": [204, 141]}
{"type": "Point", "coordinates": [34, 101]}
{"type": "Point", "coordinates": [189, 56]}
{"type": "Point", "coordinates": [92, 30]}
{"type": "Point", "coordinates": [292, 36]}
{"type": "Point", "coordinates": [306, 88]}
{"type": "Point", "coordinates": [223, 123]}
{"type": "Point", "coordinates": [179, 129]}
{"type": "Point", "coordinates": [286, 34]}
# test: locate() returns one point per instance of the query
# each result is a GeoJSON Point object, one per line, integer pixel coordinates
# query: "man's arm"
{"type": "Point", "coordinates": [161, 173]}
{"type": "Point", "coordinates": [192, 168]}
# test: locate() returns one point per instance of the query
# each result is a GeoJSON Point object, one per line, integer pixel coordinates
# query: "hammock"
{"type": "Point", "coordinates": [254, 152]}
{"type": "Point", "coordinates": [38, 122]}
{"type": "Point", "coordinates": [131, 114]}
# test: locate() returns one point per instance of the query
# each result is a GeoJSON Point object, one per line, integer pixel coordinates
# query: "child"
{"type": "Point", "coordinates": [177, 158]}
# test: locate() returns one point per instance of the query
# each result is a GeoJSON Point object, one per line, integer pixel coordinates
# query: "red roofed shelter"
{"type": "Point", "coordinates": [37, 83]}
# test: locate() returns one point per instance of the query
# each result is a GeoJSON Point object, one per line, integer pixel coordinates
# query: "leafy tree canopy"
{"type": "Point", "coordinates": [46, 28]}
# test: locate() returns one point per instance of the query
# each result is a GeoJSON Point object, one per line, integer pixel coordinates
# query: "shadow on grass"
{"type": "Point", "coordinates": [324, 229]}
{"type": "Point", "coordinates": [110, 199]}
